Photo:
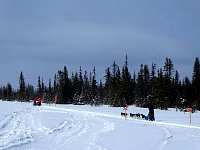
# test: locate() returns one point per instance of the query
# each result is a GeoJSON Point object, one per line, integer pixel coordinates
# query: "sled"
{"type": "Point", "coordinates": [37, 104]}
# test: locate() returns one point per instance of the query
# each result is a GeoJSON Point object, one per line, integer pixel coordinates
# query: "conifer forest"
{"type": "Point", "coordinates": [118, 87]}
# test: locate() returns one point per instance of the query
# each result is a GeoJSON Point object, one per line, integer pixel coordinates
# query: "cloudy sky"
{"type": "Point", "coordinates": [39, 37]}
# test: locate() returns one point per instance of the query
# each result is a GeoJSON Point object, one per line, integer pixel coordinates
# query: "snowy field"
{"type": "Point", "coordinates": [69, 127]}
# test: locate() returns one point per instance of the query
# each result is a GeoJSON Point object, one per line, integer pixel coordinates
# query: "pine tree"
{"type": "Point", "coordinates": [75, 85]}
{"type": "Point", "coordinates": [168, 82]}
{"type": "Point", "coordinates": [86, 88]}
{"type": "Point", "coordinates": [39, 88]}
{"type": "Point", "coordinates": [4, 93]}
{"type": "Point", "coordinates": [7, 92]}
{"type": "Point", "coordinates": [153, 80]}
{"type": "Point", "coordinates": [22, 88]}
{"type": "Point", "coordinates": [126, 86]}
{"type": "Point", "coordinates": [55, 88]}
{"type": "Point", "coordinates": [94, 88]}
{"type": "Point", "coordinates": [188, 93]}
{"type": "Point", "coordinates": [63, 87]}
{"type": "Point", "coordinates": [176, 89]}
{"type": "Point", "coordinates": [146, 81]}
{"type": "Point", "coordinates": [100, 93]}
{"type": "Point", "coordinates": [168, 68]}
{"type": "Point", "coordinates": [140, 94]}
{"type": "Point", "coordinates": [107, 87]}
{"type": "Point", "coordinates": [114, 93]}
{"type": "Point", "coordinates": [134, 83]}
{"type": "Point", "coordinates": [50, 92]}
{"type": "Point", "coordinates": [160, 91]}
{"type": "Point", "coordinates": [119, 95]}
{"type": "Point", "coordinates": [196, 82]}
{"type": "Point", "coordinates": [30, 92]}
{"type": "Point", "coordinates": [80, 82]}
{"type": "Point", "coordinates": [67, 96]}
{"type": "Point", "coordinates": [60, 87]}
{"type": "Point", "coordinates": [43, 87]}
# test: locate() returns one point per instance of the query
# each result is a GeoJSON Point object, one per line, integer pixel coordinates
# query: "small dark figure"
{"type": "Point", "coordinates": [151, 112]}
{"type": "Point", "coordinates": [39, 101]}
{"type": "Point", "coordinates": [124, 114]}
{"type": "Point", "coordinates": [142, 116]}
{"type": "Point", "coordinates": [35, 101]}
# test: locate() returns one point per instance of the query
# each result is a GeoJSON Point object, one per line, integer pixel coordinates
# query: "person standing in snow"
{"type": "Point", "coordinates": [34, 101]}
{"type": "Point", "coordinates": [151, 112]}
{"type": "Point", "coordinates": [39, 101]}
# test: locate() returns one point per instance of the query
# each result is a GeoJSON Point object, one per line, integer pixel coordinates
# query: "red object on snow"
{"type": "Point", "coordinates": [35, 101]}
{"type": "Point", "coordinates": [189, 110]}
{"type": "Point", "coordinates": [125, 107]}
{"type": "Point", "coordinates": [39, 100]}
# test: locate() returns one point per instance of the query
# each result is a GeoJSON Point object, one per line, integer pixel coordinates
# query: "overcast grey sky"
{"type": "Point", "coordinates": [39, 37]}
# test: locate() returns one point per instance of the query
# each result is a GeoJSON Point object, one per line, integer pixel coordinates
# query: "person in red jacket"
{"type": "Point", "coordinates": [39, 101]}
{"type": "Point", "coordinates": [34, 101]}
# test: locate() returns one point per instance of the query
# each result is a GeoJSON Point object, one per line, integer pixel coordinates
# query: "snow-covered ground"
{"type": "Point", "coordinates": [63, 127]}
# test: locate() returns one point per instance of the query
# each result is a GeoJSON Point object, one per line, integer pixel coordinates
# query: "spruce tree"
{"type": "Point", "coordinates": [55, 87]}
{"type": "Point", "coordinates": [50, 92]}
{"type": "Point", "coordinates": [60, 81]}
{"type": "Point", "coordinates": [114, 93]}
{"type": "Point", "coordinates": [75, 85]}
{"type": "Point", "coordinates": [63, 87]}
{"type": "Point", "coordinates": [168, 82]}
{"type": "Point", "coordinates": [160, 91]}
{"type": "Point", "coordinates": [126, 86]}
{"type": "Point", "coordinates": [107, 87]}
{"type": "Point", "coordinates": [39, 88]}
{"type": "Point", "coordinates": [66, 95]}
{"type": "Point", "coordinates": [7, 92]}
{"type": "Point", "coordinates": [4, 93]}
{"type": "Point", "coordinates": [86, 88]}
{"type": "Point", "coordinates": [153, 80]}
{"type": "Point", "coordinates": [100, 93]}
{"type": "Point", "coordinates": [94, 88]}
{"type": "Point", "coordinates": [140, 94]}
{"type": "Point", "coordinates": [119, 97]}
{"type": "Point", "coordinates": [22, 88]}
{"type": "Point", "coordinates": [30, 92]}
{"type": "Point", "coordinates": [188, 93]}
{"type": "Point", "coordinates": [196, 82]}
{"type": "Point", "coordinates": [80, 82]}
{"type": "Point", "coordinates": [176, 89]}
{"type": "Point", "coordinates": [146, 81]}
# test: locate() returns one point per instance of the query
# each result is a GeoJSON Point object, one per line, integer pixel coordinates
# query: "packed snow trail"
{"type": "Point", "coordinates": [82, 127]}
{"type": "Point", "coordinates": [26, 127]}
{"type": "Point", "coordinates": [15, 130]}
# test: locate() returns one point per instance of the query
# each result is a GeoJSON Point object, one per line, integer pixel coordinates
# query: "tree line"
{"type": "Point", "coordinates": [160, 86]}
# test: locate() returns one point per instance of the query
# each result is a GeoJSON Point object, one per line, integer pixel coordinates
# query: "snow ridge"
{"type": "Point", "coordinates": [92, 140]}
{"type": "Point", "coordinates": [166, 137]}
{"type": "Point", "coordinates": [15, 130]}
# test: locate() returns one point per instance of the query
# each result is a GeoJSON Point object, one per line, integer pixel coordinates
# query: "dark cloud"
{"type": "Point", "coordinates": [39, 37]}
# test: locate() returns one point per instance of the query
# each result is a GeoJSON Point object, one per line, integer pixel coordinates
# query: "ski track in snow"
{"type": "Point", "coordinates": [81, 126]}
{"type": "Point", "coordinates": [92, 140]}
{"type": "Point", "coordinates": [19, 128]}
{"type": "Point", "coordinates": [15, 130]}
{"type": "Point", "coordinates": [166, 137]}
{"type": "Point", "coordinates": [70, 129]}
